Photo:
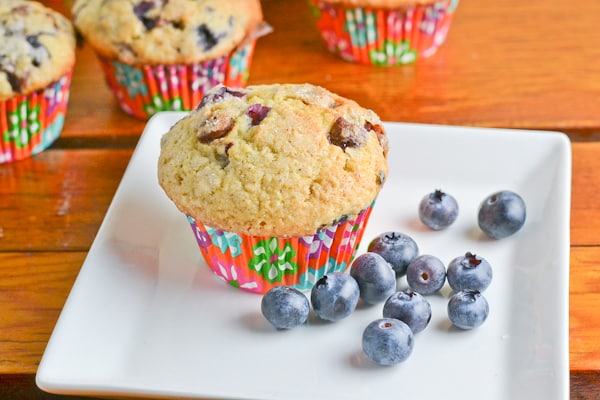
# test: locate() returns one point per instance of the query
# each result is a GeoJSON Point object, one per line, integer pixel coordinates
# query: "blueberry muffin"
{"type": "Point", "coordinates": [286, 170]}
{"type": "Point", "coordinates": [163, 54]}
{"type": "Point", "coordinates": [37, 54]}
{"type": "Point", "coordinates": [383, 32]}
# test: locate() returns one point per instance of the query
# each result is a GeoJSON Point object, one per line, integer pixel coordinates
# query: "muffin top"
{"type": "Point", "coordinates": [37, 46]}
{"type": "Point", "coordinates": [386, 4]}
{"type": "Point", "coordinates": [165, 31]}
{"type": "Point", "coordinates": [274, 160]}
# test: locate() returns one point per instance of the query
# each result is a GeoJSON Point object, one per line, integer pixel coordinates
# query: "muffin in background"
{"type": "Point", "coordinates": [383, 32]}
{"type": "Point", "coordinates": [277, 181]}
{"type": "Point", "coordinates": [37, 54]}
{"type": "Point", "coordinates": [163, 55]}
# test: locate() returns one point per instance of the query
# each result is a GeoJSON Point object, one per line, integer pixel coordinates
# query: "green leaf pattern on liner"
{"type": "Point", "coordinates": [273, 262]}
{"type": "Point", "coordinates": [161, 104]}
{"type": "Point", "coordinates": [23, 124]}
{"type": "Point", "coordinates": [393, 53]}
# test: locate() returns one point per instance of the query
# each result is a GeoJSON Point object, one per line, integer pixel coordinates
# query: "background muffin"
{"type": "Point", "coordinates": [163, 55]}
{"type": "Point", "coordinates": [37, 54]}
{"type": "Point", "coordinates": [383, 32]}
{"type": "Point", "coordinates": [277, 181]}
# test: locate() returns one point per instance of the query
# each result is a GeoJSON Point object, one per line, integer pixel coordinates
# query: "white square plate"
{"type": "Point", "coordinates": [145, 317]}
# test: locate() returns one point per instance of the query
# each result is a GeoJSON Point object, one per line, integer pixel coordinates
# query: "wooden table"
{"type": "Point", "coordinates": [506, 63]}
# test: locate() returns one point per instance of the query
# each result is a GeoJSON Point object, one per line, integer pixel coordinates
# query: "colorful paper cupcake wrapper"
{"type": "Point", "coordinates": [144, 90]}
{"type": "Point", "coordinates": [258, 263]}
{"type": "Point", "coordinates": [30, 123]}
{"type": "Point", "coordinates": [381, 36]}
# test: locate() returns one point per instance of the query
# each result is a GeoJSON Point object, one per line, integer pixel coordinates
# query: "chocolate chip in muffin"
{"type": "Point", "coordinates": [14, 81]}
{"type": "Point", "coordinates": [223, 154]}
{"type": "Point", "coordinates": [140, 10]}
{"type": "Point", "coordinates": [378, 129]}
{"type": "Point", "coordinates": [33, 40]}
{"type": "Point", "coordinates": [215, 127]}
{"type": "Point", "coordinates": [338, 221]}
{"type": "Point", "coordinates": [257, 112]}
{"type": "Point", "coordinates": [346, 134]}
{"type": "Point", "coordinates": [218, 95]}
{"type": "Point", "coordinates": [381, 178]}
{"type": "Point", "coordinates": [206, 38]}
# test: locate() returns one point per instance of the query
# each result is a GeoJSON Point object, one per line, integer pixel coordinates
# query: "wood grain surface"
{"type": "Point", "coordinates": [507, 63]}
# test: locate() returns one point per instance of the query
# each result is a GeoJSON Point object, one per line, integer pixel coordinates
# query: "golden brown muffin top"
{"type": "Point", "coordinates": [165, 31]}
{"type": "Point", "coordinates": [274, 160]}
{"type": "Point", "coordinates": [37, 47]}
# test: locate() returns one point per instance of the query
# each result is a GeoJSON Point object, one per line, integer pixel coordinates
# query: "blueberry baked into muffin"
{"type": "Point", "coordinates": [279, 178]}
{"type": "Point", "coordinates": [163, 54]}
{"type": "Point", "coordinates": [37, 54]}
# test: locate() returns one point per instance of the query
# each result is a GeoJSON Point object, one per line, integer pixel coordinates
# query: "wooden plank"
{"type": "Point", "coordinates": [33, 289]}
{"type": "Point", "coordinates": [57, 199]}
{"type": "Point", "coordinates": [488, 73]}
{"type": "Point", "coordinates": [585, 196]}
{"type": "Point", "coordinates": [584, 318]}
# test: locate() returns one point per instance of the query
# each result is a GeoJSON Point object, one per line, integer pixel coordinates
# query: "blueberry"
{"type": "Point", "coordinates": [468, 309]}
{"type": "Point", "coordinates": [375, 277]}
{"type": "Point", "coordinates": [501, 214]}
{"type": "Point", "coordinates": [469, 272]}
{"type": "Point", "coordinates": [334, 296]}
{"type": "Point", "coordinates": [285, 307]}
{"type": "Point", "coordinates": [438, 210]}
{"type": "Point", "coordinates": [387, 341]}
{"type": "Point", "coordinates": [426, 274]}
{"type": "Point", "coordinates": [409, 307]}
{"type": "Point", "coordinates": [396, 248]}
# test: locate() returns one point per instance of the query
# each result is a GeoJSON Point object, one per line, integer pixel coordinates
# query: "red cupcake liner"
{"type": "Point", "coordinates": [258, 263]}
{"type": "Point", "coordinates": [384, 37]}
{"type": "Point", "coordinates": [30, 123]}
{"type": "Point", "coordinates": [144, 90]}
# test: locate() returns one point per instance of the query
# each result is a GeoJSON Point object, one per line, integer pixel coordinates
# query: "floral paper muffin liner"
{"type": "Point", "coordinates": [258, 263]}
{"type": "Point", "coordinates": [384, 37]}
{"type": "Point", "coordinates": [30, 123]}
{"type": "Point", "coordinates": [144, 90]}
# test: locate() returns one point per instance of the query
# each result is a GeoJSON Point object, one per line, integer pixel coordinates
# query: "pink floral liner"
{"type": "Point", "coordinates": [381, 36]}
{"type": "Point", "coordinates": [258, 263]}
{"type": "Point", "coordinates": [144, 90]}
{"type": "Point", "coordinates": [30, 123]}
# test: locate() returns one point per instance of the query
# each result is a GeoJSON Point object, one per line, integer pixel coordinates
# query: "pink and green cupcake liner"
{"type": "Point", "coordinates": [258, 263]}
{"type": "Point", "coordinates": [144, 90]}
{"type": "Point", "coordinates": [384, 37]}
{"type": "Point", "coordinates": [30, 123]}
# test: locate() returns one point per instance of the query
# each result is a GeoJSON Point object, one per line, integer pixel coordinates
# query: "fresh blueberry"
{"type": "Point", "coordinates": [387, 341]}
{"type": "Point", "coordinates": [501, 214]}
{"type": "Point", "coordinates": [334, 296]}
{"type": "Point", "coordinates": [375, 277]}
{"type": "Point", "coordinates": [396, 248]}
{"type": "Point", "coordinates": [469, 272]}
{"type": "Point", "coordinates": [468, 309]}
{"type": "Point", "coordinates": [438, 210]}
{"type": "Point", "coordinates": [409, 307]}
{"type": "Point", "coordinates": [285, 307]}
{"type": "Point", "coordinates": [426, 274]}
